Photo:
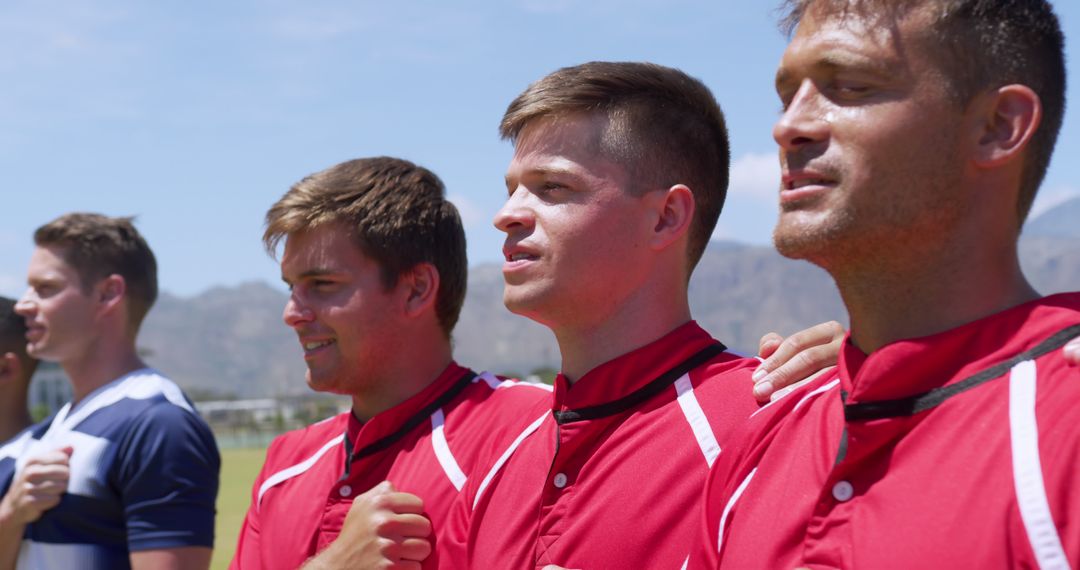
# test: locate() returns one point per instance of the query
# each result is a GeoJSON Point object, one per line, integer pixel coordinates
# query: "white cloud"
{"type": "Point", "coordinates": [1048, 198]}
{"type": "Point", "coordinates": [756, 176]}
{"type": "Point", "coordinates": [471, 213]}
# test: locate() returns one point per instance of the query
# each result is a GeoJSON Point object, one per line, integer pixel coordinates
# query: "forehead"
{"type": "Point", "coordinates": [840, 36]}
{"type": "Point", "coordinates": [570, 144]}
{"type": "Point", "coordinates": [327, 247]}
{"type": "Point", "coordinates": [49, 260]}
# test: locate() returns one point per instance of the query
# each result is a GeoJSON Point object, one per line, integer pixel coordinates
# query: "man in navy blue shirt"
{"type": "Point", "coordinates": [126, 474]}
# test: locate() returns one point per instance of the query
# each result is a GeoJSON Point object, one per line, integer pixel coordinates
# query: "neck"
{"type": "Point", "coordinates": [104, 361]}
{"type": "Point", "coordinates": [932, 293]}
{"type": "Point", "coordinates": [636, 323]}
{"type": "Point", "coordinates": [410, 369]}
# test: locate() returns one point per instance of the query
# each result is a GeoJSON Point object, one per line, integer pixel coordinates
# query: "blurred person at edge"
{"type": "Point", "coordinates": [126, 474]}
{"type": "Point", "coordinates": [16, 369]}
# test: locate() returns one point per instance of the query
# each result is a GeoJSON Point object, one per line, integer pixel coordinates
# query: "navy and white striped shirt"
{"type": "Point", "coordinates": [144, 476]}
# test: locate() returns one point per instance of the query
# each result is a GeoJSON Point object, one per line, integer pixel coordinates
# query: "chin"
{"type": "Point", "coordinates": [528, 304]}
{"type": "Point", "coordinates": [322, 384]}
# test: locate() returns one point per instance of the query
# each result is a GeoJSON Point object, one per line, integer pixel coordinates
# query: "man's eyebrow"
{"type": "Point", "coordinates": [832, 62]}
{"type": "Point", "coordinates": [314, 272]}
{"type": "Point", "coordinates": [48, 280]}
{"type": "Point", "coordinates": [545, 170]}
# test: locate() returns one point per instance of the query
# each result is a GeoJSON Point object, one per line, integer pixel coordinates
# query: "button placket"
{"type": "Point", "coordinates": [843, 491]}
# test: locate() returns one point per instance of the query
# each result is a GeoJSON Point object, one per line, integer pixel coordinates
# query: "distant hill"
{"type": "Point", "coordinates": [231, 341]}
{"type": "Point", "coordinates": [1063, 221]}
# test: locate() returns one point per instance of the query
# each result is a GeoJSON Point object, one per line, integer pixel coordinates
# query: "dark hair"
{"type": "Point", "coordinates": [12, 328]}
{"type": "Point", "coordinates": [664, 127]}
{"type": "Point", "coordinates": [399, 216]}
{"type": "Point", "coordinates": [13, 336]}
{"type": "Point", "coordinates": [985, 44]}
{"type": "Point", "coordinates": [98, 246]}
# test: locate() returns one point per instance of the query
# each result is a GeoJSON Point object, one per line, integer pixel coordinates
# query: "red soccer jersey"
{"type": "Point", "coordinates": [427, 445]}
{"type": "Point", "coordinates": [608, 475]}
{"type": "Point", "coordinates": [957, 450]}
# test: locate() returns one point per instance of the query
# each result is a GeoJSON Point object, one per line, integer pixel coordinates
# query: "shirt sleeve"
{"type": "Point", "coordinates": [167, 473]}
{"type": "Point", "coordinates": [248, 544]}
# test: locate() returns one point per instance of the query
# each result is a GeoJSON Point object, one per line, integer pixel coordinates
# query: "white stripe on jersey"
{"type": "Point", "coordinates": [495, 384]}
{"type": "Point", "coordinates": [32, 556]}
{"type": "Point", "coordinates": [442, 451]}
{"type": "Point", "coordinates": [298, 469]}
{"type": "Point", "coordinates": [727, 508]}
{"type": "Point", "coordinates": [140, 384]}
{"type": "Point", "coordinates": [820, 390]}
{"type": "Point", "coordinates": [85, 463]}
{"type": "Point", "coordinates": [506, 455]}
{"type": "Point", "coordinates": [86, 460]}
{"type": "Point", "coordinates": [695, 416]}
{"type": "Point", "coordinates": [14, 448]}
{"type": "Point", "coordinates": [1027, 469]}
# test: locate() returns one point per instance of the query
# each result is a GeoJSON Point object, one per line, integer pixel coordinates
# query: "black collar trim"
{"type": "Point", "coordinates": [927, 400]}
{"type": "Point", "coordinates": [420, 417]}
{"type": "Point", "coordinates": [642, 394]}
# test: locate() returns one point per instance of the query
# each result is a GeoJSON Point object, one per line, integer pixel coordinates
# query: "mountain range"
{"type": "Point", "coordinates": [231, 342]}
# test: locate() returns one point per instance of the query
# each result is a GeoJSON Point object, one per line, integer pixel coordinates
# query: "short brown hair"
{"type": "Point", "coordinates": [984, 44]}
{"type": "Point", "coordinates": [399, 216]}
{"type": "Point", "coordinates": [98, 246]}
{"type": "Point", "coordinates": [664, 127]}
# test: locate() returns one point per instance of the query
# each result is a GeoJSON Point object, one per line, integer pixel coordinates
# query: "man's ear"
{"type": "Point", "coordinates": [422, 287]}
{"type": "Point", "coordinates": [674, 213]}
{"type": "Point", "coordinates": [1010, 116]}
{"type": "Point", "coordinates": [110, 292]}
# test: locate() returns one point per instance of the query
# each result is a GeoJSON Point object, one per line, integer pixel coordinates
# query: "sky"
{"type": "Point", "coordinates": [196, 116]}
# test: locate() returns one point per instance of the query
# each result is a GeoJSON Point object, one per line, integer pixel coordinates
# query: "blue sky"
{"type": "Point", "coordinates": [196, 116]}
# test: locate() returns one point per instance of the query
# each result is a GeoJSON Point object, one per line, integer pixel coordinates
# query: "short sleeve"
{"type": "Point", "coordinates": [167, 473]}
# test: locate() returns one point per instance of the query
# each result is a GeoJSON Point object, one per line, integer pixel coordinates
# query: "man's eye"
{"type": "Point", "coordinates": [851, 88]}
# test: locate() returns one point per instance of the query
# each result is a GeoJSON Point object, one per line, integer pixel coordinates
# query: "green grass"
{"type": "Point", "coordinates": [239, 467]}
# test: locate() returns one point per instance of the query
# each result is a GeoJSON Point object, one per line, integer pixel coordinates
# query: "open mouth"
{"type": "Point", "coordinates": [314, 346]}
{"type": "Point", "coordinates": [520, 256]}
{"type": "Point", "coordinates": [804, 182]}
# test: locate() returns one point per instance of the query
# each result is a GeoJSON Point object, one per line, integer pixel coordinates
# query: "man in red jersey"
{"type": "Point", "coordinates": [375, 262]}
{"type": "Point", "coordinates": [618, 177]}
{"type": "Point", "coordinates": [375, 259]}
{"type": "Point", "coordinates": [913, 139]}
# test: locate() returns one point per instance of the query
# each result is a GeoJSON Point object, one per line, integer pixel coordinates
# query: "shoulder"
{"type": "Point", "coordinates": [142, 398]}
{"type": "Point", "coordinates": [723, 386]}
{"type": "Point", "coordinates": [493, 401]}
{"type": "Point", "coordinates": [297, 445]}
{"type": "Point", "coordinates": [729, 369]}
{"type": "Point", "coordinates": [501, 393]}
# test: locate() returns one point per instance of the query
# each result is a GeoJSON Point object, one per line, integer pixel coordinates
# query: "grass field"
{"type": "Point", "coordinates": [238, 470]}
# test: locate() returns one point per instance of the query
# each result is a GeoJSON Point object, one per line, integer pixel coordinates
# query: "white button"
{"type": "Point", "coordinates": [843, 491]}
{"type": "Point", "coordinates": [560, 480]}
{"type": "Point", "coordinates": [345, 491]}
